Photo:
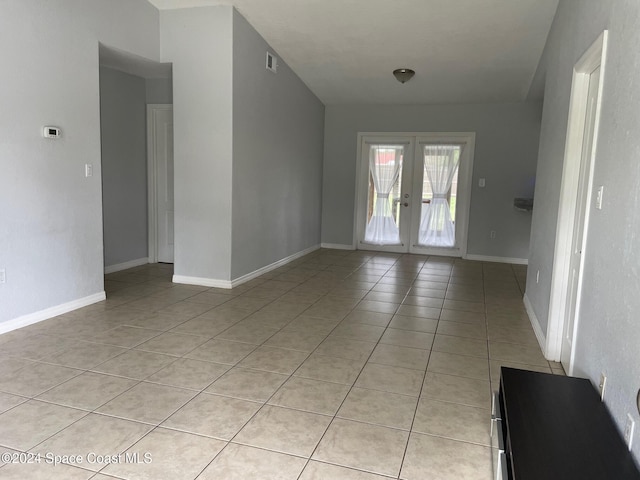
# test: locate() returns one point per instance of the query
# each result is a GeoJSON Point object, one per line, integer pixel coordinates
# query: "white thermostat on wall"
{"type": "Point", "coordinates": [52, 132]}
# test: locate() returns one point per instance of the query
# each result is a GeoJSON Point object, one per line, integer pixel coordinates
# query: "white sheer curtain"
{"type": "Point", "coordinates": [384, 164]}
{"type": "Point", "coordinates": [440, 167]}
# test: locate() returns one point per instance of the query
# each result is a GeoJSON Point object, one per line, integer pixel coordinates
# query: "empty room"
{"type": "Point", "coordinates": [313, 240]}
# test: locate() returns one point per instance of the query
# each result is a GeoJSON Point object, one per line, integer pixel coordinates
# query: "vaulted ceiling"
{"type": "Point", "coordinates": [463, 51]}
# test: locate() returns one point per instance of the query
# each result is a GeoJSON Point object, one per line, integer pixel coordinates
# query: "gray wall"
{"type": "Point", "coordinates": [505, 154]}
{"type": "Point", "coordinates": [199, 43]}
{"type": "Point", "coordinates": [51, 215]}
{"type": "Point", "coordinates": [609, 325]}
{"type": "Point", "coordinates": [159, 90]}
{"type": "Point", "coordinates": [277, 157]}
{"type": "Point", "coordinates": [124, 166]}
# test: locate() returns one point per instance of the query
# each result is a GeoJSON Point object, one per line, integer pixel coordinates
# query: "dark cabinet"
{"type": "Point", "coordinates": [550, 427]}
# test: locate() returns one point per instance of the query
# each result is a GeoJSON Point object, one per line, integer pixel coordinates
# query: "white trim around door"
{"type": "Point", "coordinates": [593, 58]}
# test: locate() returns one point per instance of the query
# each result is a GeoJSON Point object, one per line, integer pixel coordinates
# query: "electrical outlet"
{"type": "Point", "coordinates": [88, 170]}
{"type": "Point", "coordinates": [628, 430]}
{"type": "Point", "coordinates": [3, 276]}
{"type": "Point", "coordinates": [492, 234]}
{"type": "Point", "coordinates": [602, 385]}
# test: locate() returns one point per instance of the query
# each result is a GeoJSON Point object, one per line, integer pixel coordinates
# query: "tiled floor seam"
{"type": "Point", "coordinates": [383, 273]}
{"type": "Point", "coordinates": [486, 324]}
{"type": "Point", "coordinates": [266, 402]}
{"type": "Point", "coordinates": [350, 389]}
{"type": "Point", "coordinates": [411, 431]}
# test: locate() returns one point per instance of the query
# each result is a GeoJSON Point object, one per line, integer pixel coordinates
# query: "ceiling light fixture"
{"type": "Point", "coordinates": [403, 75]}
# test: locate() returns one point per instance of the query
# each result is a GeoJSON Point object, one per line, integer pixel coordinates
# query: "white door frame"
{"type": "Point", "coordinates": [415, 139]}
{"type": "Point", "coordinates": [595, 56]}
{"type": "Point", "coordinates": [152, 177]}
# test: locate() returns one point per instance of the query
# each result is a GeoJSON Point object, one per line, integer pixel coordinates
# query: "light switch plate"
{"type": "Point", "coordinates": [88, 170]}
{"type": "Point", "coordinates": [481, 183]}
{"type": "Point", "coordinates": [599, 197]}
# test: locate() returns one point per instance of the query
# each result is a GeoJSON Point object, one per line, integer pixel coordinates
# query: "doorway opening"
{"type": "Point", "coordinates": [128, 84]}
{"type": "Point", "coordinates": [413, 192]}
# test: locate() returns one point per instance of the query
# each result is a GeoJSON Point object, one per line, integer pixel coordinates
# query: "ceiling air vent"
{"type": "Point", "coordinates": [272, 62]}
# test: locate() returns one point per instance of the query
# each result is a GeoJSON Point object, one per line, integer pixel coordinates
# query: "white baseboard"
{"type": "Point", "coordinates": [47, 313]}
{"type": "Point", "coordinates": [485, 258]}
{"type": "Point", "coordinates": [535, 323]}
{"type": "Point", "coordinates": [123, 266]}
{"type": "Point", "coordinates": [217, 283]}
{"type": "Point", "coordinates": [256, 273]}
{"type": "Point", "coordinates": [202, 281]}
{"type": "Point", "coordinates": [337, 246]}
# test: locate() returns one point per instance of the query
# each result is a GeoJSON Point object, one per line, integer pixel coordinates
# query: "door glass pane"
{"type": "Point", "coordinates": [439, 195]}
{"type": "Point", "coordinates": [383, 203]}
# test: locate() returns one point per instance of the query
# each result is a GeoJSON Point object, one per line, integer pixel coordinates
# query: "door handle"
{"type": "Point", "coordinates": [405, 204]}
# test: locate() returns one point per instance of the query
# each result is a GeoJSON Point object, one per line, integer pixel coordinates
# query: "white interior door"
{"type": "Point", "coordinates": [414, 192]}
{"type": "Point", "coordinates": [161, 183]}
{"type": "Point", "coordinates": [578, 243]}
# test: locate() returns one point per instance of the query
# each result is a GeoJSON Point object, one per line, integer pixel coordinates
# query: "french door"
{"type": "Point", "coordinates": [413, 192]}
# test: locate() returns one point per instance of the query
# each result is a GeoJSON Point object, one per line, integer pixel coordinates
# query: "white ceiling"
{"type": "Point", "coordinates": [463, 51]}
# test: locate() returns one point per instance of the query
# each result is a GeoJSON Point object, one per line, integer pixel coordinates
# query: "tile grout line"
{"type": "Point", "coordinates": [203, 391]}
{"type": "Point", "coordinates": [300, 281]}
{"type": "Point", "coordinates": [350, 388]}
{"type": "Point", "coordinates": [266, 402]}
{"type": "Point", "coordinates": [424, 379]}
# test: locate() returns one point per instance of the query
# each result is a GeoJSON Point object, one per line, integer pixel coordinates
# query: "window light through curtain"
{"type": "Point", "coordinates": [441, 163]}
{"type": "Point", "coordinates": [385, 162]}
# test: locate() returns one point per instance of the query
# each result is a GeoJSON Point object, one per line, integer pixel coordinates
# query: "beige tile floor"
{"type": "Point", "coordinates": [339, 365]}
